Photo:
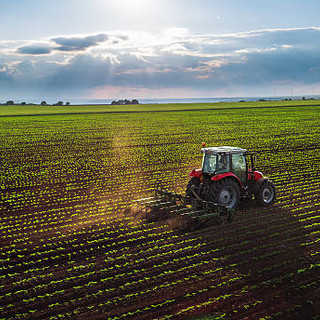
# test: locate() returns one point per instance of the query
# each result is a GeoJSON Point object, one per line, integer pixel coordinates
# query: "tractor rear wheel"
{"type": "Point", "coordinates": [225, 192]}
{"type": "Point", "coordinates": [194, 181]}
{"type": "Point", "coordinates": [266, 194]}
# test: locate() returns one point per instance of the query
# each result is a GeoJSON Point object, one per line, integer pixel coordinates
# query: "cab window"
{"type": "Point", "coordinates": [209, 163]}
{"type": "Point", "coordinates": [239, 166]}
{"type": "Point", "coordinates": [223, 163]}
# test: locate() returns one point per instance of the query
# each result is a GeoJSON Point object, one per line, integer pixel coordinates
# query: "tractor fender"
{"type": "Point", "coordinates": [254, 188]}
{"type": "Point", "coordinates": [196, 173]}
{"type": "Point", "coordinates": [221, 176]}
{"type": "Point", "coordinates": [257, 175]}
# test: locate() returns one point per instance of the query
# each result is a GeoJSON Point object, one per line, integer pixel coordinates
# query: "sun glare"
{"type": "Point", "coordinates": [129, 7]}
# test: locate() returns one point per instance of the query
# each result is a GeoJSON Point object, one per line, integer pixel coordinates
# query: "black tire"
{"type": "Point", "coordinates": [266, 194]}
{"type": "Point", "coordinates": [225, 192]}
{"type": "Point", "coordinates": [194, 181]}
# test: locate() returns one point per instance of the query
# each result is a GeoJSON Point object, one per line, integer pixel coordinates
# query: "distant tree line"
{"type": "Point", "coordinates": [61, 103]}
{"type": "Point", "coordinates": [125, 101]}
{"type": "Point", "coordinates": [42, 103]}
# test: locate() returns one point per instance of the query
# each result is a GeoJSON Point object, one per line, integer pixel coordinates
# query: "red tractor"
{"type": "Point", "coordinates": [227, 176]}
{"type": "Point", "coordinates": [214, 191]}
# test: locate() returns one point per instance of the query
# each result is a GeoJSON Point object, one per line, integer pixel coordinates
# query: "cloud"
{"type": "Point", "coordinates": [164, 61]}
{"type": "Point", "coordinates": [81, 72]}
{"type": "Point", "coordinates": [79, 43]}
{"type": "Point", "coordinates": [122, 37]}
{"type": "Point", "coordinates": [35, 49]}
{"type": "Point", "coordinates": [5, 75]}
{"type": "Point", "coordinates": [66, 44]}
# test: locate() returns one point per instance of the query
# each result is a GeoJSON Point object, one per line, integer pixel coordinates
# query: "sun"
{"type": "Point", "coordinates": [129, 7]}
{"type": "Point", "coordinates": [135, 6]}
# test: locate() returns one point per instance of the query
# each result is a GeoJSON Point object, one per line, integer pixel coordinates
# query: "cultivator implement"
{"type": "Point", "coordinates": [187, 212]}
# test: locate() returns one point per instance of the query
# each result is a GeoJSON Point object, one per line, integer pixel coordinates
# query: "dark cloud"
{"type": "Point", "coordinates": [119, 38]}
{"type": "Point", "coordinates": [123, 37]}
{"type": "Point", "coordinates": [34, 49]}
{"type": "Point", "coordinates": [79, 43]}
{"type": "Point", "coordinates": [82, 72]}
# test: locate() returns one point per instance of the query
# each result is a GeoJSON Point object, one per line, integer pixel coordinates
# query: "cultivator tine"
{"type": "Point", "coordinates": [161, 204]}
{"type": "Point", "coordinates": [169, 196]}
{"type": "Point", "coordinates": [184, 211]}
{"type": "Point", "coordinates": [165, 204]}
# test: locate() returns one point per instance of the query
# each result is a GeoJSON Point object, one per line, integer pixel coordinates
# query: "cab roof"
{"type": "Point", "coordinates": [223, 149]}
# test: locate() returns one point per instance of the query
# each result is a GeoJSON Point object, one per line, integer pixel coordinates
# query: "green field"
{"type": "Point", "coordinates": [83, 109]}
{"type": "Point", "coordinates": [69, 250]}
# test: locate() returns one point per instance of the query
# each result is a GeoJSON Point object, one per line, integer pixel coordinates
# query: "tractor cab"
{"type": "Point", "coordinates": [223, 160]}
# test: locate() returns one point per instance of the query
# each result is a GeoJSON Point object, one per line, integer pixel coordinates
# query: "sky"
{"type": "Point", "coordinates": [153, 49]}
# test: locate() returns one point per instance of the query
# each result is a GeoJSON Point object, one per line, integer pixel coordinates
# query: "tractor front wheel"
{"type": "Point", "coordinates": [225, 192]}
{"type": "Point", "coordinates": [266, 195]}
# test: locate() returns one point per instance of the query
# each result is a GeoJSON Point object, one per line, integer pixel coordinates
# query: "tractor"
{"type": "Point", "coordinates": [227, 176]}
